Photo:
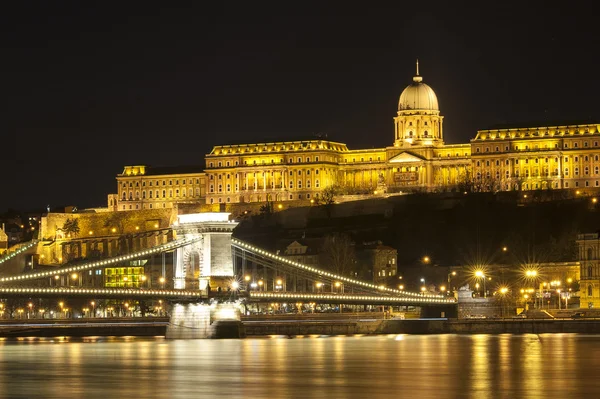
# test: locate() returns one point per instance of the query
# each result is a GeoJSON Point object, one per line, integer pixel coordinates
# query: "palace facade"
{"type": "Point", "coordinates": [504, 159]}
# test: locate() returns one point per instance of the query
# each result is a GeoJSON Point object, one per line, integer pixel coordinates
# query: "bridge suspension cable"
{"type": "Point", "coordinates": [313, 272]}
{"type": "Point", "coordinates": [104, 262]}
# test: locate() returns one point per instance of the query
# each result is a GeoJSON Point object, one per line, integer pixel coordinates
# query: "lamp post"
{"type": "Point", "coordinates": [450, 275]}
{"type": "Point", "coordinates": [531, 275]}
{"type": "Point", "coordinates": [162, 282]}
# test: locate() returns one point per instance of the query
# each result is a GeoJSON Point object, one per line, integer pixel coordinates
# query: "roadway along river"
{"type": "Point", "coordinates": [394, 366]}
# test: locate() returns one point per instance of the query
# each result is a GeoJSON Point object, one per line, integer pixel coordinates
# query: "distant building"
{"type": "Point", "coordinates": [143, 187]}
{"type": "Point", "coordinates": [503, 158]}
{"type": "Point", "coordinates": [378, 260]}
{"type": "Point", "coordinates": [304, 251]}
{"type": "Point", "coordinates": [3, 240]}
{"type": "Point", "coordinates": [589, 259]}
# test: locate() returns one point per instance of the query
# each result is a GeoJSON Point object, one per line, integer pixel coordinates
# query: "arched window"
{"type": "Point", "coordinates": [589, 271]}
{"type": "Point", "coordinates": [590, 290]}
{"type": "Point", "coordinates": [589, 253]}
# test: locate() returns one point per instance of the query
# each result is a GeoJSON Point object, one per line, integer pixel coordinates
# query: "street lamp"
{"type": "Point", "coordinates": [426, 259]}
{"type": "Point", "coordinates": [481, 275]}
{"type": "Point", "coordinates": [162, 282]}
{"type": "Point", "coordinates": [93, 308]}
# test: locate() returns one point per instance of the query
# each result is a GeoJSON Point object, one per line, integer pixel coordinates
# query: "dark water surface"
{"type": "Point", "coordinates": [393, 366]}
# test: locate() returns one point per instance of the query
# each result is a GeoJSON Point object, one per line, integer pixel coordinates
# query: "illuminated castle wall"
{"type": "Point", "coordinates": [520, 158]}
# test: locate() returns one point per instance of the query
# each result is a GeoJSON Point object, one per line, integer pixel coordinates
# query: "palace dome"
{"type": "Point", "coordinates": [418, 96]}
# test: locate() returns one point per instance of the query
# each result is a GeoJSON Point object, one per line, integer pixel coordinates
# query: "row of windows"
{"type": "Point", "coordinates": [536, 160]}
{"type": "Point", "coordinates": [137, 206]}
{"type": "Point", "coordinates": [190, 193]}
{"type": "Point", "coordinates": [260, 198]}
{"type": "Point", "coordinates": [164, 183]}
{"type": "Point", "coordinates": [545, 172]}
{"type": "Point", "coordinates": [263, 174]}
{"type": "Point", "coordinates": [290, 160]}
{"type": "Point", "coordinates": [517, 147]}
{"type": "Point", "coordinates": [211, 188]}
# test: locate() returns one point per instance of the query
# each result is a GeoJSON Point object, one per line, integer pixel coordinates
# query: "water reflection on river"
{"type": "Point", "coordinates": [423, 366]}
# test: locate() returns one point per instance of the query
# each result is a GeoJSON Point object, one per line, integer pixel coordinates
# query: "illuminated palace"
{"type": "Point", "coordinates": [519, 158]}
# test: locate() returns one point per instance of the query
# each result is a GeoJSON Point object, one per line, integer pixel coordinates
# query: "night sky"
{"type": "Point", "coordinates": [87, 89]}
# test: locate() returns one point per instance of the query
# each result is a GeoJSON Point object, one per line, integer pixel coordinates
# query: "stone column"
{"type": "Point", "coordinates": [179, 277]}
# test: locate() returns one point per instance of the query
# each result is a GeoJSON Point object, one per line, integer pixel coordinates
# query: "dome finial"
{"type": "Point", "coordinates": [417, 78]}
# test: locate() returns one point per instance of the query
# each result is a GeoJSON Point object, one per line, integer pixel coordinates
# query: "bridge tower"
{"type": "Point", "coordinates": [207, 262]}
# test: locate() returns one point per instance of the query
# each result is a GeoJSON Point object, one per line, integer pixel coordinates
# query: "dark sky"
{"type": "Point", "coordinates": [88, 88]}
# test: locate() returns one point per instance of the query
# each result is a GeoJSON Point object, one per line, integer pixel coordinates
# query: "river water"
{"type": "Point", "coordinates": [390, 366]}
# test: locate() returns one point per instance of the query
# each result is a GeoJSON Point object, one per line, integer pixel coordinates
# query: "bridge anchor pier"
{"type": "Point", "coordinates": [202, 321]}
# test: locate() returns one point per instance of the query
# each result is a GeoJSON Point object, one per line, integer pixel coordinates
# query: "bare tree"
{"type": "Point", "coordinates": [337, 254]}
{"type": "Point", "coordinates": [327, 199]}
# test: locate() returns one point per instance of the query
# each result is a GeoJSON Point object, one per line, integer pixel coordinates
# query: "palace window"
{"type": "Point", "coordinates": [317, 183]}
{"type": "Point", "coordinates": [291, 173]}
{"type": "Point", "coordinates": [299, 183]}
{"type": "Point", "coordinates": [177, 193]}
{"type": "Point", "coordinates": [596, 170]}
{"type": "Point", "coordinates": [291, 184]}
{"type": "Point", "coordinates": [144, 194]}
{"type": "Point", "coordinates": [299, 172]}
{"type": "Point", "coordinates": [507, 174]}
{"type": "Point", "coordinates": [316, 159]}
{"type": "Point", "coordinates": [497, 163]}
{"type": "Point", "coordinates": [586, 171]}
{"type": "Point", "coordinates": [566, 171]}
{"type": "Point", "coordinates": [156, 192]}
{"type": "Point", "coordinates": [220, 188]}
{"type": "Point", "coordinates": [227, 163]}
{"type": "Point", "coordinates": [576, 159]}
{"type": "Point", "coordinates": [228, 188]}
{"type": "Point", "coordinates": [478, 164]}
{"type": "Point", "coordinates": [308, 183]}
{"type": "Point", "coordinates": [487, 163]}
{"type": "Point", "coordinates": [170, 193]}
{"type": "Point", "coordinates": [576, 171]}
{"type": "Point", "coordinates": [590, 288]}
{"type": "Point", "coordinates": [150, 194]}
{"type": "Point", "coordinates": [477, 150]}
{"type": "Point", "coordinates": [164, 193]}
{"type": "Point", "coordinates": [576, 145]}
{"type": "Point", "coordinates": [497, 149]}
{"type": "Point", "coordinates": [124, 195]}
{"type": "Point", "coordinates": [130, 195]}
{"type": "Point", "coordinates": [585, 143]}
{"type": "Point", "coordinates": [299, 160]}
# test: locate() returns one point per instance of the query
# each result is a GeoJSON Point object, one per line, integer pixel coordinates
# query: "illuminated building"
{"type": "Point", "coordinates": [3, 240]}
{"type": "Point", "coordinates": [557, 156]}
{"type": "Point", "coordinates": [143, 187]}
{"type": "Point", "coordinates": [589, 259]}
